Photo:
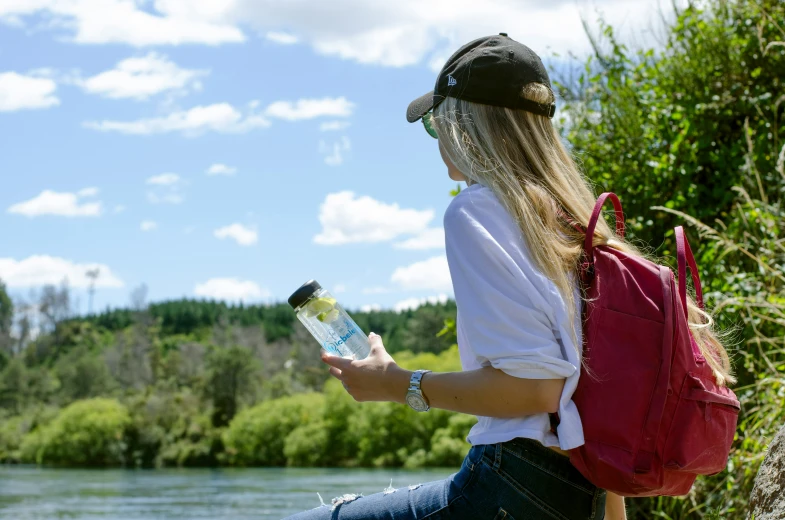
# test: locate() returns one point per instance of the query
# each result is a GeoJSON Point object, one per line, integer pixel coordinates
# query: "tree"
{"type": "Point", "coordinates": [421, 333]}
{"type": "Point", "coordinates": [92, 275]}
{"type": "Point", "coordinates": [54, 305]}
{"type": "Point", "coordinates": [82, 374]}
{"type": "Point", "coordinates": [13, 386]}
{"type": "Point", "coordinates": [6, 321]}
{"type": "Point", "coordinates": [6, 310]}
{"type": "Point", "coordinates": [229, 378]}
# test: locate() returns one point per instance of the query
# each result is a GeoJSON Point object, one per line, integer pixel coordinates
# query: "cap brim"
{"type": "Point", "coordinates": [419, 107]}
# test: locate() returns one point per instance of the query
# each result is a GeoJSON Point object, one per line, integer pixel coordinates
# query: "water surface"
{"type": "Point", "coordinates": [30, 493]}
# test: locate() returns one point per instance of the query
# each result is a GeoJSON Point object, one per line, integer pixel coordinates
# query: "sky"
{"type": "Point", "coordinates": [235, 149]}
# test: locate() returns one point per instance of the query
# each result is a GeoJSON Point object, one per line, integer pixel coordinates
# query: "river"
{"type": "Point", "coordinates": [30, 493]}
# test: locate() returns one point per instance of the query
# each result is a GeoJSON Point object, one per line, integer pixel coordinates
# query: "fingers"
{"type": "Point", "coordinates": [336, 361]}
{"type": "Point", "coordinates": [336, 373]}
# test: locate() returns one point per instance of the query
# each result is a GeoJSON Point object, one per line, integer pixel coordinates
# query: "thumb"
{"type": "Point", "coordinates": [376, 342]}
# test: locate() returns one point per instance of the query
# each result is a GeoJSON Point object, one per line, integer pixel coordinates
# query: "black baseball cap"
{"type": "Point", "coordinates": [490, 70]}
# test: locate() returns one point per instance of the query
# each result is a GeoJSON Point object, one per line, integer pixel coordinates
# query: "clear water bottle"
{"type": "Point", "coordinates": [326, 320]}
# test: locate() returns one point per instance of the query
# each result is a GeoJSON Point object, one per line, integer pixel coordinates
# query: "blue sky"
{"type": "Point", "coordinates": [235, 149]}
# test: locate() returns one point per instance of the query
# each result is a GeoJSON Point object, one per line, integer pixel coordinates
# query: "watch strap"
{"type": "Point", "coordinates": [416, 380]}
{"type": "Point", "coordinates": [415, 387]}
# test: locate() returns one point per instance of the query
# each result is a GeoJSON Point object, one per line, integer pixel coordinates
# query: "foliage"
{"type": "Point", "coordinates": [183, 370]}
{"type": "Point", "coordinates": [308, 444]}
{"type": "Point", "coordinates": [330, 429]}
{"type": "Point", "coordinates": [14, 428]}
{"type": "Point", "coordinates": [6, 320]}
{"type": "Point", "coordinates": [257, 435]}
{"type": "Point", "coordinates": [82, 375]}
{"type": "Point", "coordinates": [694, 129]}
{"type": "Point", "coordinates": [665, 127]}
{"type": "Point", "coordinates": [171, 428]}
{"type": "Point", "coordinates": [230, 374]}
{"type": "Point", "coordinates": [745, 261]}
{"type": "Point", "coordinates": [86, 433]}
{"type": "Point", "coordinates": [184, 317]}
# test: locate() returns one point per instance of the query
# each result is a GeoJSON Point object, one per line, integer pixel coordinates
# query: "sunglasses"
{"type": "Point", "coordinates": [427, 121]}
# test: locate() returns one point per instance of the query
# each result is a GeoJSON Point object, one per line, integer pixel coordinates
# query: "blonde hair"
{"type": "Point", "coordinates": [520, 157]}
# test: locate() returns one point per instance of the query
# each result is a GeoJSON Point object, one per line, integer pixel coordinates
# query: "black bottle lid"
{"type": "Point", "coordinates": [302, 294]}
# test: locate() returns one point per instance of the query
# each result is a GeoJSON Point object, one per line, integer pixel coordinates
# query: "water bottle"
{"type": "Point", "coordinates": [326, 320]}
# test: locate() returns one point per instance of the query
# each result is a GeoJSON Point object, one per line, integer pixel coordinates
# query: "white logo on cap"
{"type": "Point", "coordinates": [451, 81]}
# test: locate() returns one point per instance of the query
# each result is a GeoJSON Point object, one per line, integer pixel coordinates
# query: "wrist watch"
{"type": "Point", "coordinates": [414, 397]}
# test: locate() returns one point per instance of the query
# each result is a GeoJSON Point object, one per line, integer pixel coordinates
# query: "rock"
{"type": "Point", "coordinates": [767, 500]}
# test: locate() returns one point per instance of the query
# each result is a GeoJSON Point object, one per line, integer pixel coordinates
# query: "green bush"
{"type": "Point", "coordinates": [386, 434]}
{"type": "Point", "coordinates": [665, 126]}
{"type": "Point", "coordinates": [447, 361]}
{"type": "Point", "coordinates": [448, 444]}
{"type": "Point", "coordinates": [172, 429]}
{"type": "Point", "coordinates": [12, 431]}
{"type": "Point", "coordinates": [86, 433]}
{"type": "Point", "coordinates": [256, 436]}
{"type": "Point", "coordinates": [308, 445]}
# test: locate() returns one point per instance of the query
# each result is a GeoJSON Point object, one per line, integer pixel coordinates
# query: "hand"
{"type": "Point", "coordinates": [375, 378]}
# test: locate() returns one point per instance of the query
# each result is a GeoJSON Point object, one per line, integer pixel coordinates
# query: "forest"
{"type": "Point", "coordinates": [688, 131]}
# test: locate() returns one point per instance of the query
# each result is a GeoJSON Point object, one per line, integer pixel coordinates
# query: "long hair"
{"type": "Point", "coordinates": [520, 157]}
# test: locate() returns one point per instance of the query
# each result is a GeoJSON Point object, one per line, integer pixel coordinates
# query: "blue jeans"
{"type": "Point", "coordinates": [516, 479]}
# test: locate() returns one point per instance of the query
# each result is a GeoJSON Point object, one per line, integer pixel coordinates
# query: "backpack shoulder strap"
{"type": "Point", "coordinates": [685, 259]}
{"type": "Point", "coordinates": [595, 216]}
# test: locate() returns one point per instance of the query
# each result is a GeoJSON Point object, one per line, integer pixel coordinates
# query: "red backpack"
{"type": "Point", "coordinates": [653, 416]}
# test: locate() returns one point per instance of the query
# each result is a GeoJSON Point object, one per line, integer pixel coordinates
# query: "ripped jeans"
{"type": "Point", "coordinates": [516, 479]}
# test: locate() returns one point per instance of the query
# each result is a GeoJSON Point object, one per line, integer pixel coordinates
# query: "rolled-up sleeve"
{"type": "Point", "coordinates": [505, 310]}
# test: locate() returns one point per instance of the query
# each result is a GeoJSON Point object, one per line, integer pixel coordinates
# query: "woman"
{"type": "Point", "coordinates": [512, 248]}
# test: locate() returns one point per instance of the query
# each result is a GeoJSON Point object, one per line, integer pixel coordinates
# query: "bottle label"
{"type": "Point", "coordinates": [332, 346]}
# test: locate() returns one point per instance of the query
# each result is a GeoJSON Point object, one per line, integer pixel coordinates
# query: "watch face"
{"type": "Point", "coordinates": [416, 402]}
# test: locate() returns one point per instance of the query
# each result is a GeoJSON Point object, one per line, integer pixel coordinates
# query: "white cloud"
{"type": "Point", "coordinates": [310, 108]}
{"type": "Point", "coordinates": [164, 179]}
{"type": "Point", "coordinates": [164, 198]}
{"type": "Point", "coordinates": [142, 77]}
{"type": "Point", "coordinates": [119, 208]}
{"type": "Point", "coordinates": [166, 189]}
{"type": "Point", "coordinates": [88, 192]}
{"type": "Point", "coordinates": [330, 126]}
{"type": "Point", "coordinates": [431, 238]}
{"type": "Point", "coordinates": [163, 22]}
{"type": "Point", "coordinates": [19, 92]}
{"type": "Point", "coordinates": [375, 290]}
{"type": "Point", "coordinates": [219, 117]}
{"type": "Point", "coordinates": [282, 38]}
{"type": "Point", "coordinates": [58, 203]}
{"type": "Point", "coordinates": [408, 32]}
{"type": "Point", "coordinates": [372, 307]}
{"type": "Point", "coordinates": [148, 225]}
{"type": "Point", "coordinates": [413, 303]}
{"type": "Point", "coordinates": [231, 289]}
{"type": "Point", "coordinates": [339, 288]}
{"type": "Point", "coordinates": [346, 219]}
{"type": "Point", "coordinates": [396, 34]}
{"type": "Point", "coordinates": [221, 169]}
{"type": "Point", "coordinates": [433, 274]}
{"type": "Point", "coordinates": [38, 270]}
{"type": "Point", "coordinates": [334, 154]}
{"type": "Point", "coordinates": [243, 235]}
